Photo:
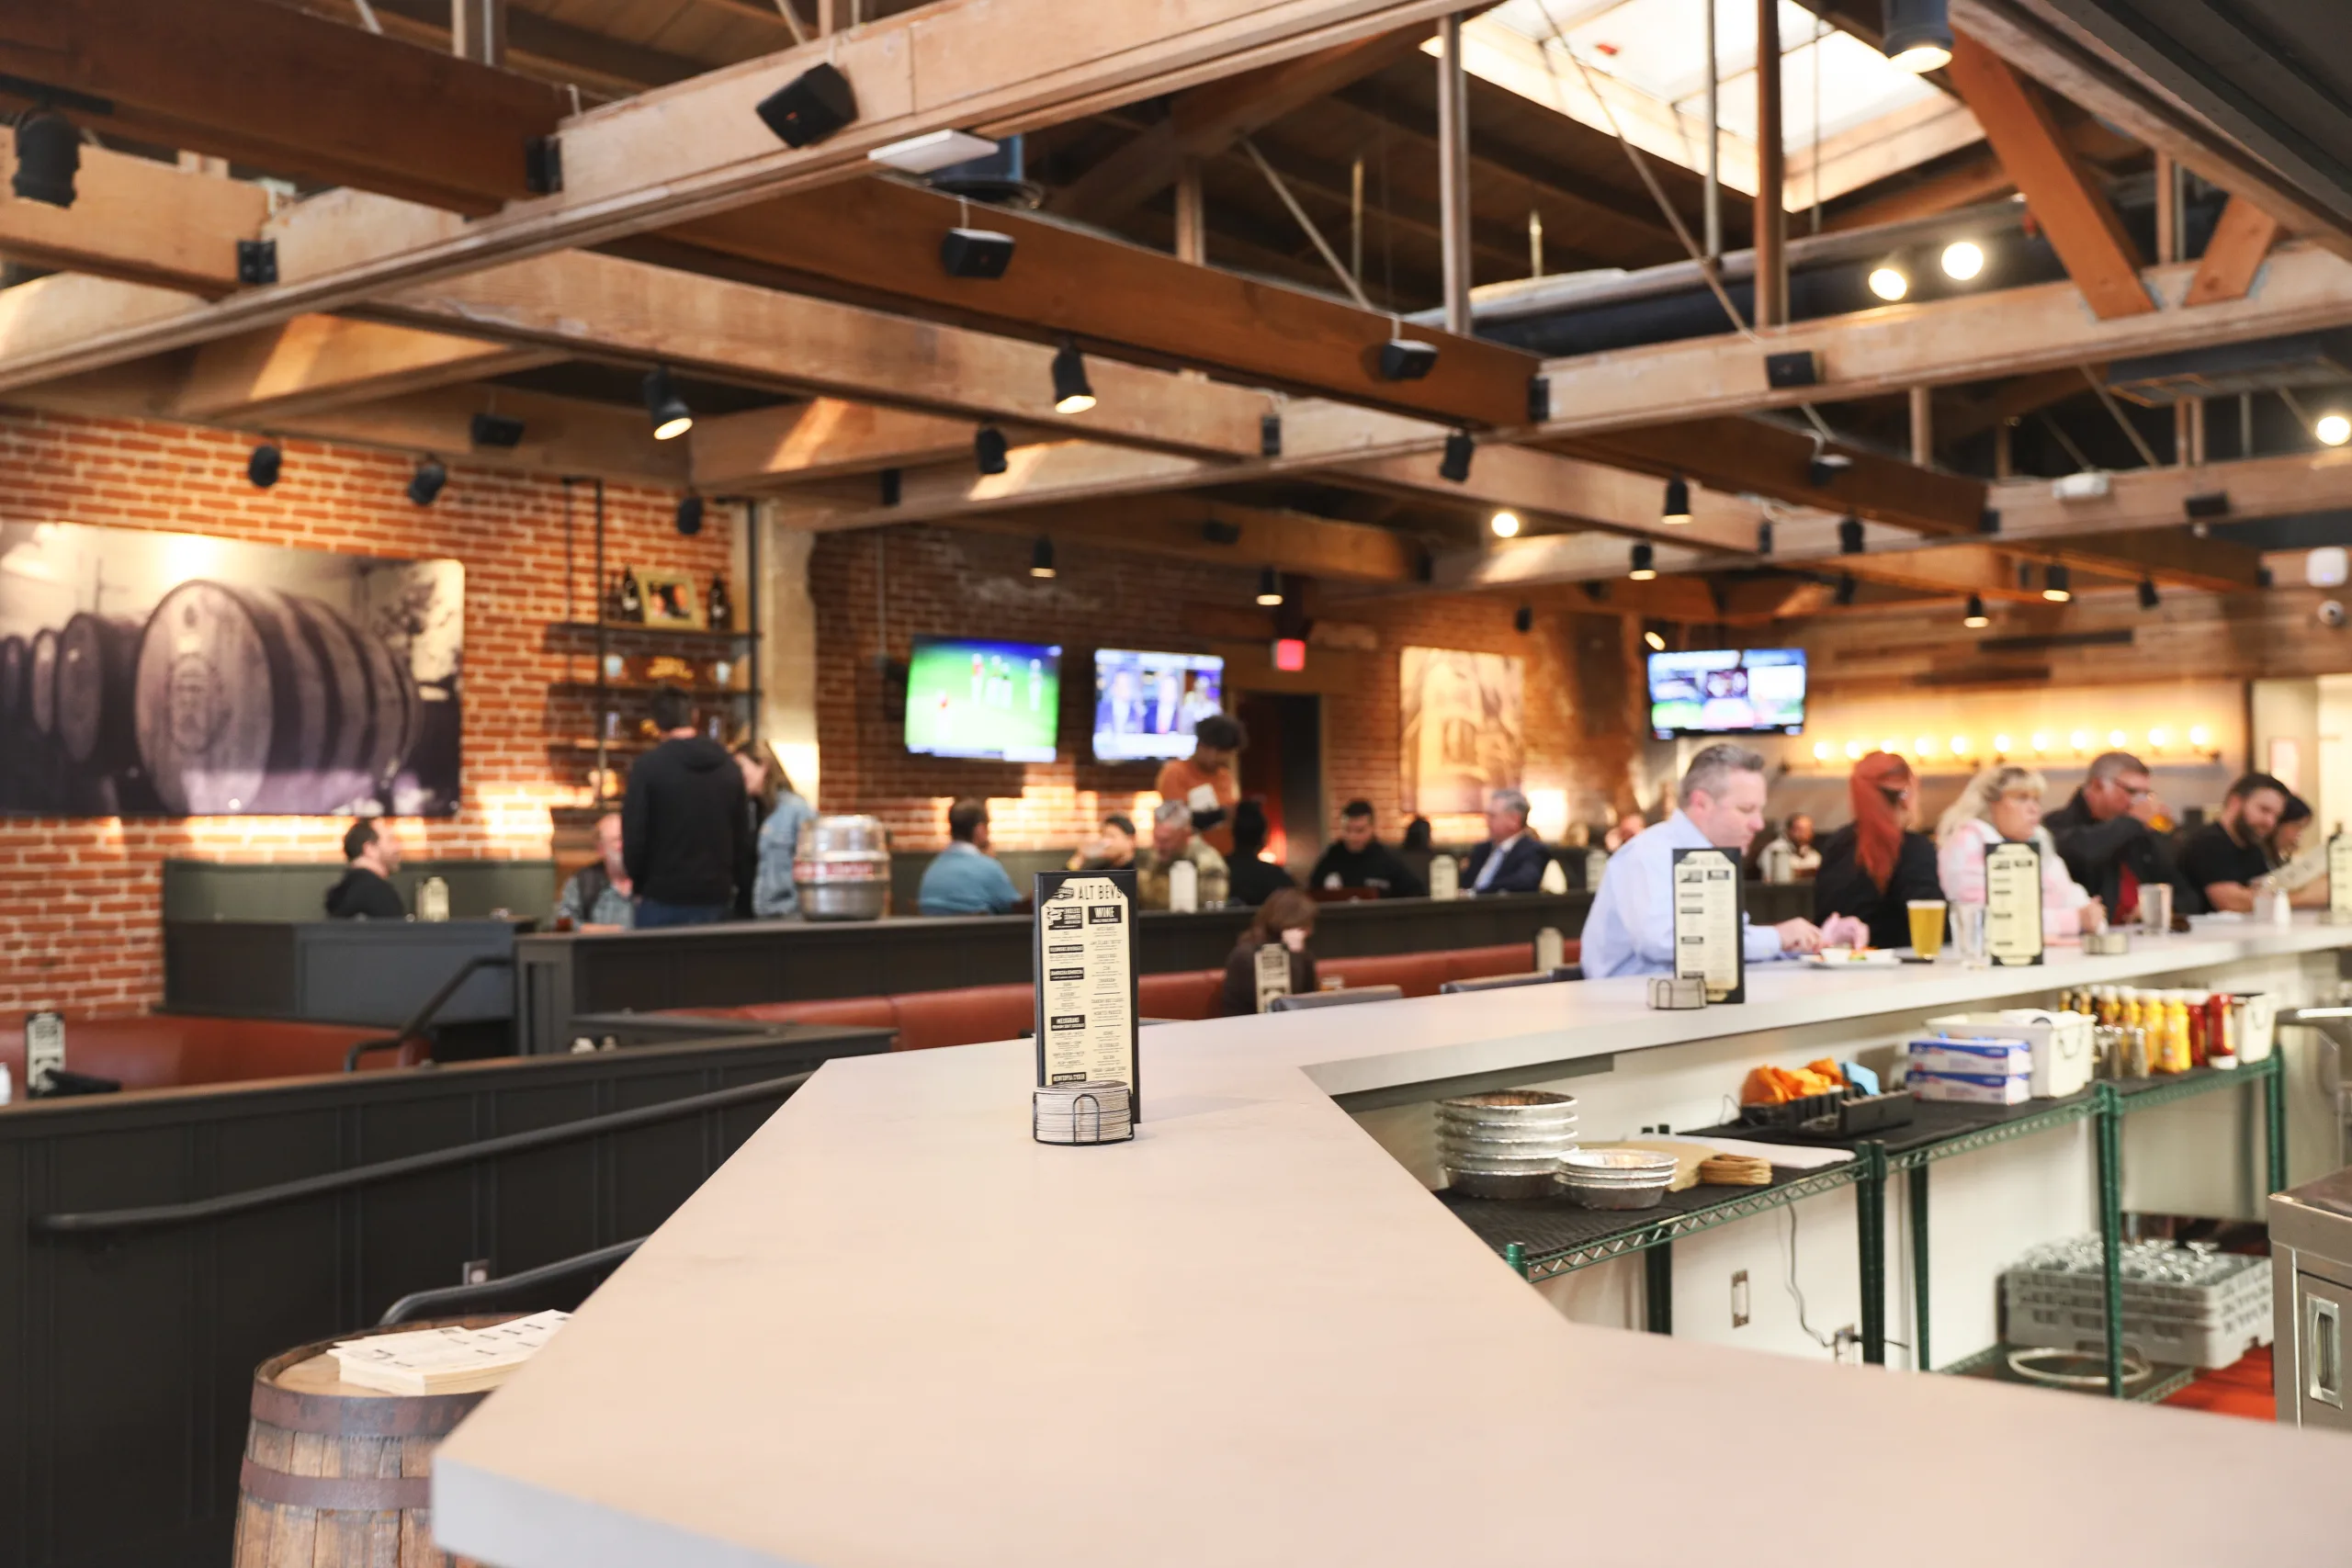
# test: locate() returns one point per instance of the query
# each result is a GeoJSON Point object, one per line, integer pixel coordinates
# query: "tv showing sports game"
{"type": "Point", "coordinates": [1147, 704]}
{"type": "Point", "coordinates": [1756, 691]}
{"type": "Point", "coordinates": [979, 697]}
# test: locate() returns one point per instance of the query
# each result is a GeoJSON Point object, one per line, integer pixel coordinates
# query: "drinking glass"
{"type": "Point", "coordinates": [1968, 934]}
{"type": "Point", "coordinates": [1927, 927]}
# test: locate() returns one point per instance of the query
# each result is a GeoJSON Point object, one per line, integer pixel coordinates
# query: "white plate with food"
{"type": "Point", "coordinates": [1854, 957]}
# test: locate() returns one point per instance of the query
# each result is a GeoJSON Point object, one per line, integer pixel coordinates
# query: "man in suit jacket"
{"type": "Point", "coordinates": [1512, 859]}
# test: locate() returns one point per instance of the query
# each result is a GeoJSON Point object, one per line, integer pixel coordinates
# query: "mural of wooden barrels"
{"type": "Point", "coordinates": [246, 699]}
{"type": "Point", "coordinates": [97, 662]}
{"type": "Point", "coordinates": [41, 684]}
{"type": "Point", "coordinates": [14, 656]}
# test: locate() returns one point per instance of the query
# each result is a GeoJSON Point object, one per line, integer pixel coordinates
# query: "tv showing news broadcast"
{"type": "Point", "coordinates": [1147, 704]}
{"type": "Point", "coordinates": [978, 697]}
{"type": "Point", "coordinates": [1756, 691]}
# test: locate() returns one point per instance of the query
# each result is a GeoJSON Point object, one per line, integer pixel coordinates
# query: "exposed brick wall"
{"type": "Point", "coordinates": [937, 580]}
{"type": "Point", "coordinates": [79, 900]}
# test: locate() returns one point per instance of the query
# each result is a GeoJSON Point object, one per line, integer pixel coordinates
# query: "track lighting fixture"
{"type": "Point", "coordinates": [893, 483]}
{"type": "Point", "coordinates": [1917, 35]}
{"type": "Point", "coordinates": [1962, 260]}
{"type": "Point", "coordinates": [49, 154]}
{"type": "Point", "coordinates": [810, 108]}
{"type": "Point", "coordinates": [1676, 510]}
{"type": "Point", "coordinates": [262, 468]}
{"type": "Point", "coordinates": [665, 407]}
{"type": "Point", "coordinates": [1846, 586]}
{"type": "Point", "coordinates": [1523, 619]}
{"type": "Point", "coordinates": [1455, 464]}
{"type": "Point", "coordinates": [424, 485]}
{"type": "Point", "coordinates": [1505, 525]}
{"type": "Point", "coordinates": [1850, 535]}
{"type": "Point", "coordinates": [2054, 584]}
{"type": "Point", "coordinates": [1041, 557]}
{"type": "Point", "coordinates": [1889, 282]}
{"type": "Point", "coordinates": [1406, 359]}
{"type": "Point", "coordinates": [1976, 619]}
{"type": "Point", "coordinates": [1654, 638]}
{"type": "Point", "coordinates": [494, 430]}
{"type": "Point", "coordinates": [988, 450]}
{"type": "Point", "coordinates": [2149, 597]}
{"type": "Point", "coordinates": [1270, 588]}
{"type": "Point", "coordinates": [689, 518]}
{"type": "Point", "coordinates": [1644, 567]}
{"type": "Point", "coordinates": [1071, 392]}
{"type": "Point", "coordinates": [2331, 429]}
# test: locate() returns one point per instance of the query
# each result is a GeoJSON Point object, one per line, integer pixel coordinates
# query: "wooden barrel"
{"type": "Point", "coordinates": [335, 1474]}
{"type": "Point", "coordinates": [41, 684]}
{"type": "Point", "coordinates": [97, 661]}
{"type": "Point", "coordinates": [15, 655]}
{"type": "Point", "coordinates": [248, 700]}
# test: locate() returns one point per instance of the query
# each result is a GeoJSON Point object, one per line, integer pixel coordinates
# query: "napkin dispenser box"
{"type": "Point", "coordinates": [2060, 1043]}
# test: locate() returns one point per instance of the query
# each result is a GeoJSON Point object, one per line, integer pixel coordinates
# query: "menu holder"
{"type": "Point", "coordinates": [1273, 973]}
{"type": "Point", "coordinates": [2339, 879]}
{"type": "Point", "coordinates": [1709, 922]}
{"type": "Point", "coordinates": [2013, 904]}
{"type": "Point", "coordinates": [1083, 957]}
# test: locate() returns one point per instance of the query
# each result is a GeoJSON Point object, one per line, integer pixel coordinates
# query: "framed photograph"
{"type": "Point", "coordinates": [1463, 722]}
{"type": "Point", "coordinates": [670, 599]}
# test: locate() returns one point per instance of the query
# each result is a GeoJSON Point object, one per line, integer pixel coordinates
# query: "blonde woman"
{"type": "Point", "coordinates": [2004, 802]}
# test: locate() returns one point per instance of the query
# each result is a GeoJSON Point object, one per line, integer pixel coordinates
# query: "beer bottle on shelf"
{"type": "Point", "coordinates": [633, 603]}
{"type": "Point", "coordinates": [722, 607]}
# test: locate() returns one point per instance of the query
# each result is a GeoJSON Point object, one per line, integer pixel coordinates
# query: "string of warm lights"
{"type": "Point", "coordinates": [2041, 744]}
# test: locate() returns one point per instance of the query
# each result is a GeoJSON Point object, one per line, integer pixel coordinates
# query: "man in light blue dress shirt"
{"type": "Point", "coordinates": [965, 879]}
{"type": "Point", "coordinates": [1631, 928]}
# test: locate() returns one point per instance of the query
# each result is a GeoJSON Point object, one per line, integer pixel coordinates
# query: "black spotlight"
{"type": "Point", "coordinates": [1524, 619]}
{"type": "Point", "coordinates": [1917, 35]}
{"type": "Point", "coordinates": [1403, 359]}
{"type": "Point", "coordinates": [1072, 394]}
{"type": "Point", "coordinates": [1269, 589]}
{"type": "Point", "coordinates": [495, 430]}
{"type": "Point", "coordinates": [2056, 585]}
{"type": "Point", "coordinates": [668, 410]}
{"type": "Point", "coordinates": [424, 485]}
{"type": "Point", "coordinates": [1644, 564]}
{"type": "Point", "coordinates": [689, 516]}
{"type": "Point", "coordinates": [1850, 535]}
{"type": "Point", "coordinates": [810, 108]}
{"type": "Point", "coordinates": [1976, 618]}
{"type": "Point", "coordinates": [893, 485]}
{"type": "Point", "coordinates": [1041, 557]}
{"type": "Point", "coordinates": [1676, 510]}
{"type": "Point", "coordinates": [1846, 588]}
{"type": "Point", "coordinates": [989, 449]}
{"type": "Point", "coordinates": [49, 154]}
{"type": "Point", "coordinates": [1826, 467]}
{"type": "Point", "coordinates": [1455, 464]}
{"type": "Point", "coordinates": [976, 253]}
{"type": "Point", "coordinates": [263, 466]}
{"type": "Point", "coordinates": [2149, 597]}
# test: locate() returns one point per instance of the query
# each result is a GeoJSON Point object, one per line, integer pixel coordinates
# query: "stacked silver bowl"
{"type": "Point", "coordinates": [1505, 1145]}
{"type": "Point", "coordinates": [1615, 1179]}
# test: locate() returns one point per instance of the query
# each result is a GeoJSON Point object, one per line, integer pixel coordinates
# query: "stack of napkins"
{"type": "Point", "coordinates": [1983, 1070]}
{"type": "Point", "coordinates": [445, 1361]}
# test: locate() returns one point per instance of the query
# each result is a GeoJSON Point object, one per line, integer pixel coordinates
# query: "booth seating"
{"type": "Point", "coordinates": [974, 1013]}
{"type": "Point", "coordinates": [164, 1050]}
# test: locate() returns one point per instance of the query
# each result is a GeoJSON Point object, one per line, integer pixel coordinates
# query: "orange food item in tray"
{"type": "Point", "coordinates": [1778, 1085]}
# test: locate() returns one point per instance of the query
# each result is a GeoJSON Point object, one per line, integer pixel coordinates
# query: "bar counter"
{"type": "Point", "coordinates": [893, 1329]}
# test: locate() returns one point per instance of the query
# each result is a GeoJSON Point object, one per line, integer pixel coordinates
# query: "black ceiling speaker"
{"type": "Point", "coordinates": [263, 466]}
{"type": "Point", "coordinates": [1455, 464]}
{"type": "Point", "coordinates": [893, 483]}
{"type": "Point", "coordinates": [2149, 597]}
{"type": "Point", "coordinates": [1850, 535]}
{"type": "Point", "coordinates": [49, 154]}
{"type": "Point", "coordinates": [424, 485]}
{"type": "Point", "coordinates": [689, 516]}
{"type": "Point", "coordinates": [1523, 618]}
{"type": "Point", "coordinates": [496, 430]}
{"type": "Point", "coordinates": [810, 108]}
{"type": "Point", "coordinates": [1404, 359]}
{"type": "Point", "coordinates": [989, 449]}
{"type": "Point", "coordinates": [1845, 589]}
{"type": "Point", "coordinates": [976, 253]}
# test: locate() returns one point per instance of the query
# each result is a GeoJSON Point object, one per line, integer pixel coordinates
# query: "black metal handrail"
{"type": "Point", "coordinates": [457, 1301]}
{"type": "Point", "coordinates": [432, 1004]}
{"type": "Point", "coordinates": [164, 1215]}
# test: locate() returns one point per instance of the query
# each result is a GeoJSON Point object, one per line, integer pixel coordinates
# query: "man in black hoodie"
{"type": "Point", "coordinates": [685, 829]}
{"type": "Point", "coordinates": [366, 891]}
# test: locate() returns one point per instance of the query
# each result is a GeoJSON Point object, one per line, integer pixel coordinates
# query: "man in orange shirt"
{"type": "Point", "coordinates": [1206, 781]}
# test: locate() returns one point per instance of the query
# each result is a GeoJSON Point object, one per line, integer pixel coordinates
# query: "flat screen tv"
{"type": "Point", "coordinates": [979, 697]}
{"type": "Point", "coordinates": [1147, 704]}
{"type": "Point", "coordinates": [1756, 691]}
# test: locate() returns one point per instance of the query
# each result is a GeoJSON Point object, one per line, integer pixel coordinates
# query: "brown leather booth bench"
{"type": "Point", "coordinates": [971, 1014]}
{"type": "Point", "coordinates": [164, 1050]}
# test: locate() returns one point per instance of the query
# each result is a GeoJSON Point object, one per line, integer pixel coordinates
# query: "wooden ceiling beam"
{"type": "Point", "coordinates": [2141, 499]}
{"type": "Point", "coordinates": [268, 85]}
{"type": "Point", "coordinates": [1219, 533]}
{"type": "Point", "coordinates": [883, 236]}
{"type": "Point", "coordinates": [2171, 555]}
{"type": "Point", "coordinates": [822, 439]}
{"type": "Point", "coordinates": [2010, 332]}
{"type": "Point", "coordinates": [2241, 242]}
{"type": "Point", "coordinates": [1546, 487]}
{"type": "Point", "coordinates": [313, 363]}
{"type": "Point", "coordinates": [2074, 214]}
{"type": "Point", "coordinates": [1207, 121]}
{"type": "Point", "coordinates": [136, 220]}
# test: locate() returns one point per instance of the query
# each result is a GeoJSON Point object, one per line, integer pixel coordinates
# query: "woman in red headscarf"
{"type": "Point", "coordinates": [1873, 867]}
